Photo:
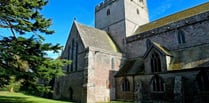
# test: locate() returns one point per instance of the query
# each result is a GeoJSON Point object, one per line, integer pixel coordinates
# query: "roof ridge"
{"type": "Point", "coordinates": [174, 17]}
{"type": "Point", "coordinates": [78, 23]}
{"type": "Point", "coordinates": [93, 37]}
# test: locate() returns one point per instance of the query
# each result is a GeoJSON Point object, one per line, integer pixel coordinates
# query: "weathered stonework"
{"type": "Point", "coordinates": [178, 89]}
{"type": "Point", "coordinates": [125, 17]}
{"type": "Point", "coordinates": [196, 33]}
{"type": "Point", "coordinates": [165, 61]}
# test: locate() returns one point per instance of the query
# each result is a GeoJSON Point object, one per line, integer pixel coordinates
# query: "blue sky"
{"type": "Point", "coordinates": [62, 12]}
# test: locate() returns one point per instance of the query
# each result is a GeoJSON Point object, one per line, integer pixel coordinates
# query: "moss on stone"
{"type": "Point", "coordinates": [174, 18]}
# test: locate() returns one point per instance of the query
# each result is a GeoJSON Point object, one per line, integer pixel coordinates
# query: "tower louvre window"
{"type": "Point", "coordinates": [141, 1]}
{"type": "Point", "coordinates": [137, 11]}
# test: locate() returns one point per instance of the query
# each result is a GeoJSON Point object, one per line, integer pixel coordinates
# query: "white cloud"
{"type": "Point", "coordinates": [53, 55]}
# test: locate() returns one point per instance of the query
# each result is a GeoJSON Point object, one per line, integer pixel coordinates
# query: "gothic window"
{"type": "Point", "coordinates": [125, 85]}
{"type": "Point", "coordinates": [203, 80]}
{"type": "Point", "coordinates": [155, 62]}
{"type": "Point", "coordinates": [181, 37]}
{"type": "Point", "coordinates": [157, 84]}
{"type": "Point", "coordinates": [68, 57]}
{"type": "Point", "coordinates": [140, 0]}
{"type": "Point", "coordinates": [112, 63]}
{"type": "Point", "coordinates": [72, 57]}
{"type": "Point", "coordinates": [108, 12]}
{"type": "Point", "coordinates": [148, 43]}
{"type": "Point", "coordinates": [76, 56]}
{"type": "Point", "coordinates": [137, 11]}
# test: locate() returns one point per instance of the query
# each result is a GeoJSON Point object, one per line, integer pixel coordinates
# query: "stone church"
{"type": "Point", "coordinates": [126, 57]}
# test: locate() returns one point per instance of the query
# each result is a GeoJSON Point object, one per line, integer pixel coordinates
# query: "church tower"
{"type": "Point", "coordinates": [121, 18]}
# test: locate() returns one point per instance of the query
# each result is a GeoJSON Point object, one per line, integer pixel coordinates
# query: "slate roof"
{"type": "Point", "coordinates": [163, 50]}
{"type": "Point", "coordinates": [132, 67]}
{"type": "Point", "coordinates": [188, 58]}
{"type": "Point", "coordinates": [96, 38]}
{"type": "Point", "coordinates": [174, 18]}
{"type": "Point", "coordinates": [125, 68]}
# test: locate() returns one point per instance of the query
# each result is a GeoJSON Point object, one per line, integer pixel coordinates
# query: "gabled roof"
{"type": "Point", "coordinates": [174, 18]}
{"type": "Point", "coordinates": [93, 37]}
{"type": "Point", "coordinates": [159, 47]}
{"type": "Point", "coordinates": [126, 67]}
{"type": "Point", "coordinates": [137, 68]}
{"type": "Point", "coordinates": [131, 67]}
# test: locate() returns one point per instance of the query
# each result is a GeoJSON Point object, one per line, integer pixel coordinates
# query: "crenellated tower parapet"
{"type": "Point", "coordinates": [121, 18]}
{"type": "Point", "coordinates": [104, 4]}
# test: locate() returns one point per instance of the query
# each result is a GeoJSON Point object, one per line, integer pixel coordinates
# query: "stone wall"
{"type": "Point", "coordinates": [125, 95]}
{"type": "Point", "coordinates": [103, 66]}
{"type": "Point", "coordinates": [195, 29]}
{"type": "Point", "coordinates": [114, 22]}
{"type": "Point", "coordinates": [135, 15]}
{"type": "Point", "coordinates": [70, 86]}
{"type": "Point", "coordinates": [188, 58]}
{"type": "Point", "coordinates": [123, 19]}
{"type": "Point", "coordinates": [190, 91]}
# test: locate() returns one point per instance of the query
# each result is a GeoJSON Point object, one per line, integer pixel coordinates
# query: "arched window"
{"type": "Point", "coordinates": [155, 62]}
{"type": "Point", "coordinates": [71, 55]}
{"type": "Point", "coordinates": [76, 56]}
{"type": "Point", "coordinates": [108, 12]}
{"type": "Point", "coordinates": [203, 80]}
{"type": "Point", "coordinates": [141, 1]}
{"type": "Point", "coordinates": [125, 85]}
{"type": "Point", "coordinates": [68, 57]}
{"type": "Point", "coordinates": [181, 37]}
{"type": "Point", "coordinates": [137, 11]}
{"type": "Point", "coordinates": [157, 84]}
{"type": "Point", "coordinates": [148, 43]}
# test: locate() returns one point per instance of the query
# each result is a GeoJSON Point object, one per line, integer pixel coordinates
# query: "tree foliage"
{"type": "Point", "coordinates": [23, 53]}
{"type": "Point", "coordinates": [24, 16]}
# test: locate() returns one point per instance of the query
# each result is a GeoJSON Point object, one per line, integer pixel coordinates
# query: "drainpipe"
{"type": "Point", "coordinates": [133, 86]}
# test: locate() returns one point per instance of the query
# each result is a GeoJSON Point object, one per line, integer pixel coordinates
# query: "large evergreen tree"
{"type": "Point", "coordinates": [23, 52]}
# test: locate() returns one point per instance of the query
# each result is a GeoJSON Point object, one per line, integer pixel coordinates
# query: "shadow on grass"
{"type": "Point", "coordinates": [14, 99]}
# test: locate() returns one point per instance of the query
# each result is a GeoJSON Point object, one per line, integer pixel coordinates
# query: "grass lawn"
{"type": "Point", "coordinates": [6, 97]}
{"type": "Point", "coordinates": [116, 102]}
